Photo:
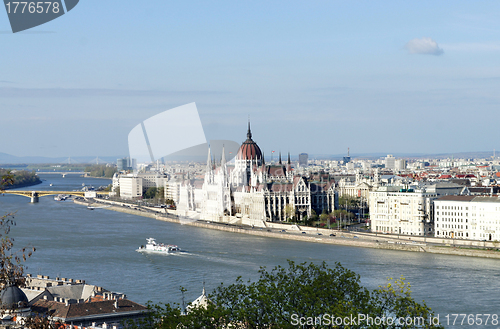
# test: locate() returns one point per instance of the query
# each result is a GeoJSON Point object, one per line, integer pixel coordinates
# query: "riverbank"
{"type": "Point", "coordinates": [11, 187]}
{"type": "Point", "coordinates": [317, 235]}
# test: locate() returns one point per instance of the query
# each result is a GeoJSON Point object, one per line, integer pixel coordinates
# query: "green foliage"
{"type": "Point", "coordinates": [343, 214]}
{"type": "Point", "coordinates": [350, 201]}
{"type": "Point", "coordinates": [285, 294]}
{"type": "Point", "coordinates": [324, 217]}
{"type": "Point", "coordinates": [101, 170]}
{"type": "Point", "coordinates": [313, 216]}
{"type": "Point", "coordinates": [150, 193]}
{"type": "Point", "coordinates": [11, 267]}
{"type": "Point", "coordinates": [158, 194]}
{"type": "Point", "coordinates": [18, 178]}
{"type": "Point", "coordinates": [289, 212]}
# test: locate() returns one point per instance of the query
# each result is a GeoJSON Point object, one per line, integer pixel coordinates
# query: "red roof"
{"type": "Point", "coordinates": [249, 150]}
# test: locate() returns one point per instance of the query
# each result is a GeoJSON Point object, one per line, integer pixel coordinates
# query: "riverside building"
{"type": "Point", "coordinates": [398, 210]}
{"type": "Point", "coordinates": [467, 217]}
{"type": "Point", "coordinates": [132, 185]}
{"type": "Point", "coordinates": [251, 192]}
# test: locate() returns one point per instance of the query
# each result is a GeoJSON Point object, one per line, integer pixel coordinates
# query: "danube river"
{"type": "Point", "coordinates": [99, 246]}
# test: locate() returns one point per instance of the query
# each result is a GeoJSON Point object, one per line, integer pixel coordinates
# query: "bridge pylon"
{"type": "Point", "coordinates": [34, 197]}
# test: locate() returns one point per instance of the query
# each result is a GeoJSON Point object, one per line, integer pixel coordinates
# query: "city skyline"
{"type": "Point", "coordinates": [315, 78]}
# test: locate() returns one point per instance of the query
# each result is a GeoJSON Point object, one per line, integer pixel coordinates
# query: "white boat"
{"type": "Point", "coordinates": [154, 247]}
{"type": "Point", "coordinates": [60, 197]}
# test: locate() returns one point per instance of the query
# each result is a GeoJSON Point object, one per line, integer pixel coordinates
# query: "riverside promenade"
{"type": "Point", "coordinates": [468, 248]}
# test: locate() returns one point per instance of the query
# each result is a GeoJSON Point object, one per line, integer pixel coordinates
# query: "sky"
{"type": "Point", "coordinates": [315, 77]}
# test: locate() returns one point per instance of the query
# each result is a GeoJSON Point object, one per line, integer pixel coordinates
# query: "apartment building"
{"type": "Point", "coordinates": [398, 210]}
{"type": "Point", "coordinates": [467, 217]}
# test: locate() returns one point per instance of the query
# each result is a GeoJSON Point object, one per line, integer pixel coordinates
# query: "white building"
{"type": "Point", "coordinates": [152, 179]}
{"type": "Point", "coordinates": [467, 217]}
{"type": "Point", "coordinates": [397, 210]}
{"type": "Point", "coordinates": [400, 164]}
{"type": "Point", "coordinates": [130, 186]}
{"type": "Point", "coordinates": [135, 184]}
{"type": "Point", "coordinates": [390, 162]}
{"type": "Point", "coordinates": [361, 187]}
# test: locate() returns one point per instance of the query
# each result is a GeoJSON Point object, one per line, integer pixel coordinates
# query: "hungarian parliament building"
{"type": "Point", "coordinates": [251, 191]}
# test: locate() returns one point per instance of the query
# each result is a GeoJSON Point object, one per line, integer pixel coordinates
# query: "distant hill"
{"type": "Point", "coordinates": [374, 156]}
{"type": "Point", "coordinates": [15, 160]}
{"type": "Point", "coordinates": [12, 159]}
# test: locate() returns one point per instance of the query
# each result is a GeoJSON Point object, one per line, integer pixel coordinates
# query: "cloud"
{"type": "Point", "coordinates": [424, 46]}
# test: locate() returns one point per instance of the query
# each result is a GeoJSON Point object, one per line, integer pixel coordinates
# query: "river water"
{"type": "Point", "coordinates": [99, 246]}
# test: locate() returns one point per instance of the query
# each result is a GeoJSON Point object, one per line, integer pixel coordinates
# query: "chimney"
{"type": "Point", "coordinates": [66, 301]}
{"type": "Point", "coordinates": [116, 303]}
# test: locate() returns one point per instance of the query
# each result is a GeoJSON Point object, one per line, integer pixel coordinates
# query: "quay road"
{"type": "Point", "coordinates": [312, 234]}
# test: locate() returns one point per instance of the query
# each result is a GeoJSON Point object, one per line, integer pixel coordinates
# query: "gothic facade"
{"type": "Point", "coordinates": [253, 191]}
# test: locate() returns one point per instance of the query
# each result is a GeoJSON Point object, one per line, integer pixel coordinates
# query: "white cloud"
{"type": "Point", "coordinates": [424, 46]}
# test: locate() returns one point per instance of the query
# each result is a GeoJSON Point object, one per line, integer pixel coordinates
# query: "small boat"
{"type": "Point", "coordinates": [154, 247]}
{"type": "Point", "coordinates": [60, 197]}
{"type": "Point", "coordinates": [50, 184]}
{"type": "Point", "coordinates": [89, 207]}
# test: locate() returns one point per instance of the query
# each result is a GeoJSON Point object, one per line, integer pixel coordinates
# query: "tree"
{"type": "Point", "coordinates": [160, 194]}
{"type": "Point", "coordinates": [289, 211]}
{"type": "Point", "coordinates": [324, 217]}
{"type": "Point", "coordinates": [11, 264]}
{"type": "Point", "coordinates": [18, 179]}
{"type": "Point", "coordinates": [11, 269]}
{"type": "Point", "coordinates": [350, 201]}
{"type": "Point", "coordinates": [150, 193]}
{"type": "Point", "coordinates": [300, 295]}
{"type": "Point", "coordinates": [101, 170]}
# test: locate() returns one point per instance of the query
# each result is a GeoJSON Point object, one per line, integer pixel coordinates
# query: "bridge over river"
{"type": "Point", "coordinates": [34, 195]}
{"type": "Point", "coordinates": [63, 173]}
